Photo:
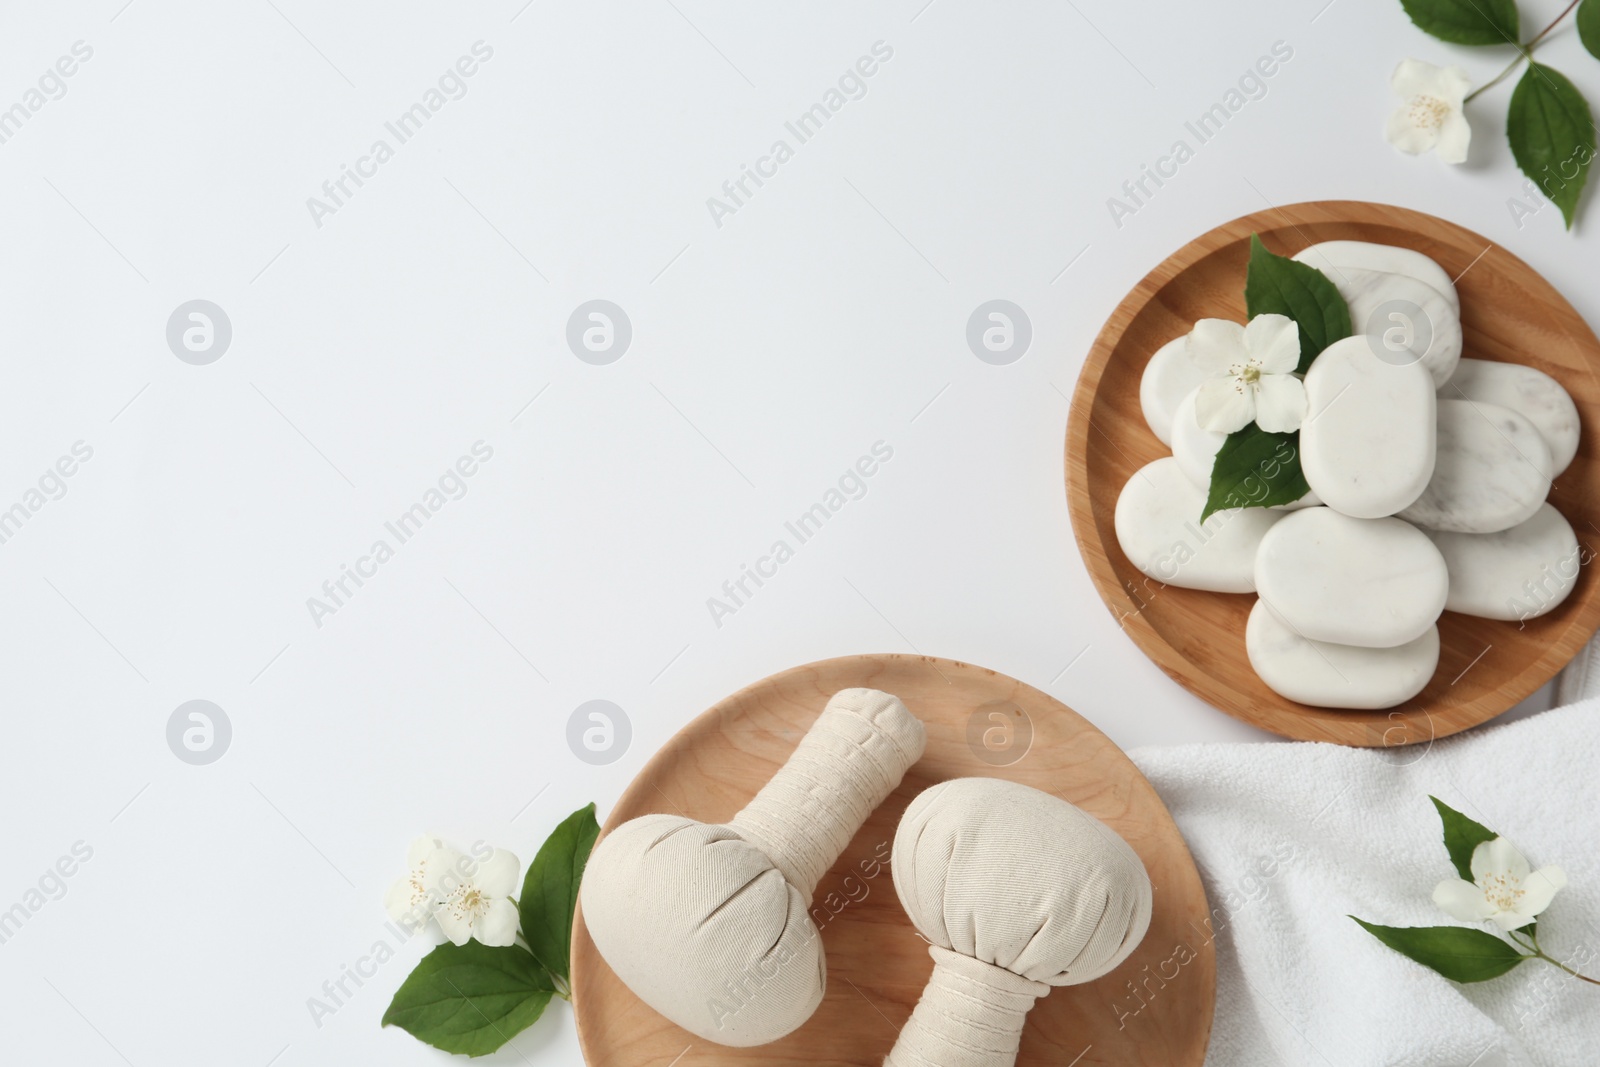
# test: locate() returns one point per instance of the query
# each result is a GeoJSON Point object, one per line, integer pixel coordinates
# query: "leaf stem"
{"type": "Point", "coordinates": [1557, 963]}
{"type": "Point", "coordinates": [1524, 51]}
{"type": "Point", "coordinates": [1555, 22]}
{"type": "Point", "coordinates": [1522, 54]}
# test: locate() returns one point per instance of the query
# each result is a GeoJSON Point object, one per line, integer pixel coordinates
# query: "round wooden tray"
{"type": "Point", "coordinates": [1508, 313]}
{"type": "Point", "coordinates": [877, 964]}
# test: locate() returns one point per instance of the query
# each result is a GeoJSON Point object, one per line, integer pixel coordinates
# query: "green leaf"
{"type": "Point", "coordinates": [550, 890]}
{"type": "Point", "coordinates": [1256, 469]}
{"type": "Point", "coordinates": [1589, 26]}
{"type": "Point", "coordinates": [1466, 21]}
{"type": "Point", "coordinates": [1552, 135]}
{"type": "Point", "coordinates": [1461, 836]}
{"type": "Point", "coordinates": [1277, 285]}
{"type": "Point", "coordinates": [1460, 953]}
{"type": "Point", "coordinates": [471, 999]}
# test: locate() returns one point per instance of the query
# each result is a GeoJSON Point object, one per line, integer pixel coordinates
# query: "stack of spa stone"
{"type": "Point", "coordinates": [1428, 476]}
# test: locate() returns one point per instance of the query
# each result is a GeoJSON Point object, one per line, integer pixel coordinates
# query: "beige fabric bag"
{"type": "Point", "coordinates": [708, 924]}
{"type": "Point", "coordinates": [1017, 891]}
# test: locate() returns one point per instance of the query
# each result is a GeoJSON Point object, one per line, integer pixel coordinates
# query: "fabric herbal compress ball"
{"type": "Point", "coordinates": [708, 924]}
{"type": "Point", "coordinates": [1018, 891]}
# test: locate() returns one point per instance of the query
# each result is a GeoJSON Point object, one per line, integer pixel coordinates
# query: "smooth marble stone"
{"type": "Point", "coordinates": [1406, 320]}
{"type": "Point", "coordinates": [1330, 675]}
{"type": "Point", "coordinates": [1491, 471]}
{"type": "Point", "coordinates": [1515, 574]}
{"type": "Point", "coordinates": [1531, 393]}
{"type": "Point", "coordinates": [1367, 444]}
{"type": "Point", "coordinates": [1331, 256]}
{"type": "Point", "coordinates": [1195, 449]}
{"type": "Point", "coordinates": [1168, 378]}
{"type": "Point", "coordinates": [1376, 583]}
{"type": "Point", "coordinates": [1158, 526]}
{"type": "Point", "coordinates": [1193, 446]}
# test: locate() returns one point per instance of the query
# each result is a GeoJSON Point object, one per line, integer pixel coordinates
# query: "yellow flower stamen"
{"type": "Point", "coordinates": [1502, 891]}
{"type": "Point", "coordinates": [1428, 112]}
{"type": "Point", "coordinates": [468, 902]}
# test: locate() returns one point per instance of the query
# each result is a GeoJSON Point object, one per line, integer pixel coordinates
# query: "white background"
{"type": "Point", "coordinates": [370, 352]}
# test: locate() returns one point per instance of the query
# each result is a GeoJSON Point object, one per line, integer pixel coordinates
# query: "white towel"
{"type": "Point", "coordinates": [1291, 838]}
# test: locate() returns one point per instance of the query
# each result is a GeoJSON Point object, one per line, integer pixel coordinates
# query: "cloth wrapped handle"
{"type": "Point", "coordinates": [847, 764]}
{"type": "Point", "coordinates": [970, 1015]}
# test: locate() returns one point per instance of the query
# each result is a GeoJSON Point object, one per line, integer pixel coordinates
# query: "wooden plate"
{"type": "Point", "coordinates": [877, 964]}
{"type": "Point", "coordinates": [1508, 313]}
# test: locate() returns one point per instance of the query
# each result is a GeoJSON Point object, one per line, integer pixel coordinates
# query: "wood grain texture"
{"type": "Point", "coordinates": [877, 964]}
{"type": "Point", "coordinates": [1508, 313]}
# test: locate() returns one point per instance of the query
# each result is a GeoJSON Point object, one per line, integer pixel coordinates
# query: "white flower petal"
{"type": "Point", "coordinates": [497, 875]}
{"type": "Point", "coordinates": [1224, 405]}
{"type": "Point", "coordinates": [1406, 135]}
{"type": "Point", "coordinates": [1462, 900]}
{"type": "Point", "coordinates": [1273, 342]}
{"type": "Point", "coordinates": [1215, 345]}
{"type": "Point", "coordinates": [1451, 84]}
{"type": "Point", "coordinates": [1498, 856]}
{"type": "Point", "coordinates": [1412, 76]}
{"type": "Point", "coordinates": [457, 926]}
{"type": "Point", "coordinates": [498, 926]}
{"type": "Point", "coordinates": [420, 848]}
{"type": "Point", "coordinates": [1509, 920]}
{"type": "Point", "coordinates": [1455, 136]}
{"type": "Point", "coordinates": [397, 901]}
{"type": "Point", "coordinates": [1539, 888]}
{"type": "Point", "coordinates": [1280, 403]}
{"type": "Point", "coordinates": [447, 870]}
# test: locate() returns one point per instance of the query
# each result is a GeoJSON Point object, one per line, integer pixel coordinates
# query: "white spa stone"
{"type": "Point", "coordinates": [1329, 675]}
{"type": "Point", "coordinates": [1367, 444]}
{"type": "Point", "coordinates": [1169, 377]}
{"type": "Point", "coordinates": [1407, 320]}
{"type": "Point", "coordinates": [1491, 471]}
{"type": "Point", "coordinates": [1533, 394]}
{"type": "Point", "coordinates": [1193, 446]}
{"type": "Point", "coordinates": [1376, 583]}
{"type": "Point", "coordinates": [1515, 574]}
{"type": "Point", "coordinates": [1331, 256]}
{"type": "Point", "coordinates": [1158, 526]}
